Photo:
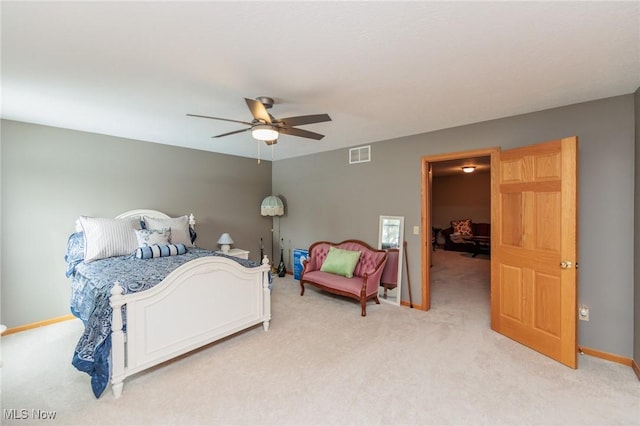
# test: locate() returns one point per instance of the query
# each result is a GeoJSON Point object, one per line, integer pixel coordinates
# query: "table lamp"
{"type": "Point", "coordinates": [225, 240]}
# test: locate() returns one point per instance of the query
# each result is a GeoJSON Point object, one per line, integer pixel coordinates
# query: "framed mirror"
{"type": "Point", "coordinates": [391, 238]}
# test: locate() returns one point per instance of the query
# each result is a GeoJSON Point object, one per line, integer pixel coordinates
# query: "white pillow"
{"type": "Point", "coordinates": [179, 228]}
{"type": "Point", "coordinates": [153, 237]}
{"type": "Point", "coordinates": [105, 237]}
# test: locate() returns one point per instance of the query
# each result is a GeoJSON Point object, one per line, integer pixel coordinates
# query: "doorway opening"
{"type": "Point", "coordinates": [461, 225]}
{"type": "Point", "coordinates": [447, 165]}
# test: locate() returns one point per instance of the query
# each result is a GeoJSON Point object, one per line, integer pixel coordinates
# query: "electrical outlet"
{"type": "Point", "coordinates": [416, 230]}
{"type": "Point", "coordinates": [583, 313]}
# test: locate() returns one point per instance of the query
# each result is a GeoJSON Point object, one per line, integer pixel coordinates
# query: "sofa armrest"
{"type": "Point", "coordinates": [308, 265]}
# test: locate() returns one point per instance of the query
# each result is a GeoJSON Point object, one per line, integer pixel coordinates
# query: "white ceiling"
{"type": "Point", "coordinates": [380, 70]}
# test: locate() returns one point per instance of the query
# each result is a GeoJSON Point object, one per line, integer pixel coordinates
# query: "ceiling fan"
{"type": "Point", "coordinates": [266, 127]}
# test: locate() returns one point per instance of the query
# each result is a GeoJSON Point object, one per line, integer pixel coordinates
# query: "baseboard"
{"type": "Point", "coordinates": [636, 368]}
{"type": "Point", "coordinates": [37, 324]}
{"type": "Point", "coordinates": [607, 356]}
{"type": "Point", "coordinates": [405, 303]}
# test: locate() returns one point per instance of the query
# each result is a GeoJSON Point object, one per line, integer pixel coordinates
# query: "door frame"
{"type": "Point", "coordinates": [425, 203]}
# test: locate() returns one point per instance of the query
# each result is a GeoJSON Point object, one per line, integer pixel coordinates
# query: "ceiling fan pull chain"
{"type": "Point", "coordinates": [258, 152]}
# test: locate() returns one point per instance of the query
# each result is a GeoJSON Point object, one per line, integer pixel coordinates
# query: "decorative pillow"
{"type": "Point", "coordinates": [462, 227]}
{"type": "Point", "coordinates": [340, 262]}
{"type": "Point", "coordinates": [105, 237]}
{"type": "Point", "coordinates": [151, 237]}
{"type": "Point", "coordinates": [149, 252]}
{"type": "Point", "coordinates": [179, 228]}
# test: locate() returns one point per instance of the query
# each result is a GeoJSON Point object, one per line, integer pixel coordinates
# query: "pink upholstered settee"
{"type": "Point", "coordinates": [364, 284]}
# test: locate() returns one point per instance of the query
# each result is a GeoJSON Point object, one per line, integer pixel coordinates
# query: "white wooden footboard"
{"type": "Point", "coordinates": [202, 301]}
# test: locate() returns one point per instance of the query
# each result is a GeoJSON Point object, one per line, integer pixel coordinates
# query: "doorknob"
{"type": "Point", "coordinates": [565, 264]}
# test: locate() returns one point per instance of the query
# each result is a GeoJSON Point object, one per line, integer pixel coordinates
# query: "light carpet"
{"type": "Point", "coordinates": [321, 363]}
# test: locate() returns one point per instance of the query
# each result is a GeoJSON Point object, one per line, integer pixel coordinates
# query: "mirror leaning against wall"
{"type": "Point", "coordinates": [391, 238]}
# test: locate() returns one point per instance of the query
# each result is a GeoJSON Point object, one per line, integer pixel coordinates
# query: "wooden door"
{"type": "Point", "coordinates": [534, 247]}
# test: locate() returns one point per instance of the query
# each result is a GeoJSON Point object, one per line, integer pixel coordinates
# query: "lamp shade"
{"type": "Point", "coordinates": [272, 206]}
{"type": "Point", "coordinates": [225, 239]}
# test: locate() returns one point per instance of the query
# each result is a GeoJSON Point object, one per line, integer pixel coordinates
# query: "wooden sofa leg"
{"type": "Point", "coordinates": [363, 302]}
{"type": "Point", "coordinates": [301, 289]}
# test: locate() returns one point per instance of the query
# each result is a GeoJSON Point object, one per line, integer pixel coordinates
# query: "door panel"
{"type": "Point", "coordinates": [511, 295]}
{"type": "Point", "coordinates": [533, 300]}
{"type": "Point", "coordinates": [512, 225]}
{"type": "Point", "coordinates": [547, 223]}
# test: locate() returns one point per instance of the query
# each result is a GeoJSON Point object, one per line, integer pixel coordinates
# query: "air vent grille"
{"type": "Point", "coordinates": [361, 154]}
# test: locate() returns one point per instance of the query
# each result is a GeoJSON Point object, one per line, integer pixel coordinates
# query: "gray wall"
{"type": "Point", "coordinates": [331, 200]}
{"type": "Point", "coordinates": [636, 344]}
{"type": "Point", "coordinates": [50, 176]}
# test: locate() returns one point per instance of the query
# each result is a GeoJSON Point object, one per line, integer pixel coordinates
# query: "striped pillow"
{"type": "Point", "coordinates": [149, 252]}
{"type": "Point", "coordinates": [105, 237]}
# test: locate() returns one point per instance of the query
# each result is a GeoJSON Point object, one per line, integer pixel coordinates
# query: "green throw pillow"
{"type": "Point", "coordinates": [341, 262]}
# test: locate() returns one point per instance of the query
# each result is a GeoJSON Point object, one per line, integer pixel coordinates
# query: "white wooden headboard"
{"type": "Point", "coordinates": [139, 213]}
{"type": "Point", "coordinates": [142, 212]}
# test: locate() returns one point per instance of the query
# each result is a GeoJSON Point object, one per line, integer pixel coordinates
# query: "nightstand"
{"type": "Point", "coordinates": [236, 252]}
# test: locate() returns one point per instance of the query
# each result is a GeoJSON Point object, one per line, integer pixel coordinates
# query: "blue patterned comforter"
{"type": "Point", "coordinates": [90, 292]}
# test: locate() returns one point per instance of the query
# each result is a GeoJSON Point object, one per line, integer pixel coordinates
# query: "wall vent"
{"type": "Point", "coordinates": [361, 154]}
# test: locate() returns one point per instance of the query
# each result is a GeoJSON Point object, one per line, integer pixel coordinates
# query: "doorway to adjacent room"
{"type": "Point", "coordinates": [448, 168]}
{"type": "Point", "coordinates": [533, 244]}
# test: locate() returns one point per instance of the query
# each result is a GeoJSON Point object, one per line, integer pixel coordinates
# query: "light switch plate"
{"type": "Point", "coordinates": [416, 230]}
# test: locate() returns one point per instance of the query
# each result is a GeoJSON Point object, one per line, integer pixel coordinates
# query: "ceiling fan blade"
{"type": "Point", "coordinates": [292, 131]}
{"type": "Point", "coordinates": [258, 110]}
{"type": "Point", "coordinates": [231, 133]}
{"type": "Point", "coordinates": [305, 119]}
{"type": "Point", "coordinates": [218, 118]}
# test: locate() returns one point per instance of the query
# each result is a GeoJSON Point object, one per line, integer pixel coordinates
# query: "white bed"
{"type": "Point", "coordinates": [208, 299]}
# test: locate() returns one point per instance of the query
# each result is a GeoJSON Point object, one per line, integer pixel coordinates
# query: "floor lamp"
{"type": "Point", "coordinates": [272, 206]}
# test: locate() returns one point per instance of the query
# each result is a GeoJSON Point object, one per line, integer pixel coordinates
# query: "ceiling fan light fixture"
{"type": "Point", "coordinates": [468, 169]}
{"type": "Point", "coordinates": [264, 132]}
{"type": "Point", "coordinates": [266, 128]}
